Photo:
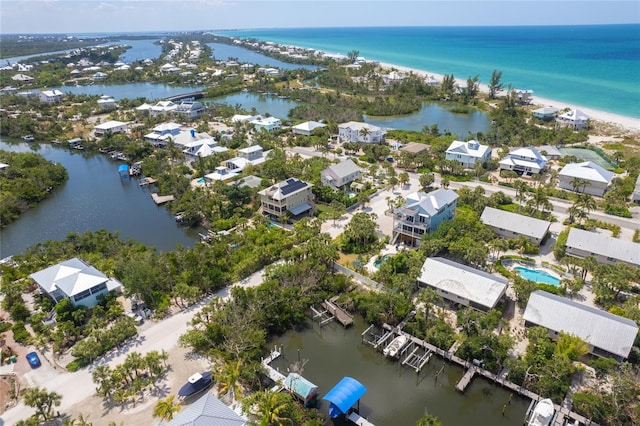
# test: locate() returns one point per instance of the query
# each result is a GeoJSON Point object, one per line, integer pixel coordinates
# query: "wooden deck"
{"type": "Point", "coordinates": [274, 374]}
{"type": "Point", "coordinates": [340, 314]}
{"type": "Point", "coordinates": [161, 199]}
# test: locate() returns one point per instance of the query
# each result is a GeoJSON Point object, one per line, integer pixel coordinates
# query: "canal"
{"type": "Point", "coordinates": [94, 197]}
{"type": "Point", "coordinates": [396, 395]}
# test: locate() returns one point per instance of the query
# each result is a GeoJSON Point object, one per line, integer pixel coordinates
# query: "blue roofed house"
{"type": "Point", "coordinates": [468, 153]}
{"type": "Point", "coordinates": [289, 197]}
{"type": "Point", "coordinates": [340, 176]}
{"type": "Point", "coordinates": [75, 280]}
{"type": "Point", "coordinates": [422, 214]}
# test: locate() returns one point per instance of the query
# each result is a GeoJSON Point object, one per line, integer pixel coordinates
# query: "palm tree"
{"type": "Point", "coordinates": [269, 407]}
{"type": "Point", "coordinates": [166, 408]}
{"type": "Point", "coordinates": [579, 185]}
{"type": "Point", "coordinates": [42, 401]}
{"type": "Point", "coordinates": [364, 132]}
{"type": "Point", "coordinates": [228, 378]}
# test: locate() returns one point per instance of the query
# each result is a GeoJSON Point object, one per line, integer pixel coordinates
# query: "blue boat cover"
{"type": "Point", "coordinates": [123, 168]}
{"type": "Point", "coordinates": [344, 395]}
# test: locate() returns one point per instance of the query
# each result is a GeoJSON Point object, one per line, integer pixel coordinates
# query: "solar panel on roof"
{"type": "Point", "coordinates": [292, 186]}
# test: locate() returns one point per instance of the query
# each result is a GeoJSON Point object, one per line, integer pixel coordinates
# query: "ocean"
{"type": "Point", "coordinates": [594, 66]}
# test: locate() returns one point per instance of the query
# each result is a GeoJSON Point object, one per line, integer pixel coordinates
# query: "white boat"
{"type": "Point", "coordinates": [395, 346]}
{"type": "Point", "coordinates": [542, 414]}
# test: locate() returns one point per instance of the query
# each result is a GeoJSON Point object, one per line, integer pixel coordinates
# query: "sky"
{"type": "Point", "coordinates": [91, 16]}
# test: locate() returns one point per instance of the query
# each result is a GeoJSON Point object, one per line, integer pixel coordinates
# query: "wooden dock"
{"type": "Point", "coordinates": [340, 314]}
{"type": "Point", "coordinates": [473, 370]}
{"type": "Point", "coordinates": [161, 199]}
{"type": "Point", "coordinates": [274, 374]}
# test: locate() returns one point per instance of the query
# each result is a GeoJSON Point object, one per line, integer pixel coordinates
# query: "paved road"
{"type": "Point", "coordinates": [74, 387]}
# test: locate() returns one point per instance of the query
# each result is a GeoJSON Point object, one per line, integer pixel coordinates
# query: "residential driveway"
{"type": "Point", "coordinates": [78, 386]}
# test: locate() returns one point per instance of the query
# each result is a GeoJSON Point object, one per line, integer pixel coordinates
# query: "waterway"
{"type": "Point", "coordinates": [396, 395]}
{"type": "Point", "coordinates": [94, 197]}
{"type": "Point", "coordinates": [150, 91]}
{"type": "Point", "coordinates": [222, 52]}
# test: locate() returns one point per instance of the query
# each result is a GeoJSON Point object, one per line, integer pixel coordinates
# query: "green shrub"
{"type": "Point", "coordinates": [5, 326]}
{"type": "Point", "coordinates": [20, 333]}
{"type": "Point", "coordinates": [77, 364]}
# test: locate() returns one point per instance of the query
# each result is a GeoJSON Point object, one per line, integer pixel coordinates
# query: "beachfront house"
{"type": "Point", "coordinates": [110, 128]}
{"type": "Point", "coordinates": [524, 161]}
{"type": "Point", "coordinates": [189, 110]}
{"type": "Point", "coordinates": [75, 280]}
{"type": "Point", "coordinates": [422, 214]}
{"type": "Point", "coordinates": [604, 248]}
{"type": "Point", "coordinates": [461, 284]}
{"type": "Point", "coordinates": [354, 131]}
{"type": "Point", "coordinates": [512, 225]}
{"type": "Point", "coordinates": [606, 334]}
{"type": "Point", "coordinates": [340, 176]}
{"type": "Point", "coordinates": [290, 197]}
{"type": "Point", "coordinates": [574, 118]}
{"type": "Point", "coordinates": [586, 177]}
{"type": "Point", "coordinates": [51, 96]}
{"type": "Point", "coordinates": [267, 124]}
{"type": "Point", "coordinates": [468, 153]}
{"type": "Point", "coordinates": [162, 134]}
{"type": "Point", "coordinates": [307, 128]}
{"type": "Point", "coordinates": [548, 113]}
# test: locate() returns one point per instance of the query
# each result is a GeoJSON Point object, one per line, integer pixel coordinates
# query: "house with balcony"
{"type": "Point", "coordinates": [525, 161]}
{"type": "Point", "coordinates": [221, 174]}
{"type": "Point", "coordinates": [162, 107]}
{"type": "Point", "coordinates": [202, 148]}
{"type": "Point", "coordinates": [162, 134]}
{"type": "Point", "coordinates": [189, 110]}
{"type": "Point", "coordinates": [547, 113]}
{"type": "Point", "coordinates": [512, 225]}
{"type": "Point", "coordinates": [307, 128]}
{"type": "Point", "coordinates": [586, 177]}
{"type": "Point", "coordinates": [354, 131]}
{"type": "Point", "coordinates": [289, 197]}
{"type": "Point", "coordinates": [468, 153]}
{"type": "Point", "coordinates": [110, 127]}
{"type": "Point", "coordinates": [575, 119]}
{"type": "Point", "coordinates": [51, 96]}
{"type": "Point", "coordinates": [75, 280]}
{"type": "Point", "coordinates": [266, 124]}
{"type": "Point", "coordinates": [252, 155]}
{"type": "Point", "coordinates": [422, 214]}
{"type": "Point", "coordinates": [340, 176]}
{"type": "Point", "coordinates": [604, 248]}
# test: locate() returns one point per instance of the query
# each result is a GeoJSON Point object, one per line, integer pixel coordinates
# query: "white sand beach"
{"type": "Point", "coordinates": [630, 124]}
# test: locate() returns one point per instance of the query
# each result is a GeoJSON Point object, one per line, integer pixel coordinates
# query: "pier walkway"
{"type": "Point", "coordinates": [332, 312]}
{"type": "Point", "coordinates": [161, 199]}
{"type": "Point", "coordinates": [274, 374]}
{"type": "Point", "coordinates": [472, 370]}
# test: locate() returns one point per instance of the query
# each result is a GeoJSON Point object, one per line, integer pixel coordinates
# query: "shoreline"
{"type": "Point", "coordinates": [629, 124]}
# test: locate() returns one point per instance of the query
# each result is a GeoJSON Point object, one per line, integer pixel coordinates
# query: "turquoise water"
{"type": "Point", "coordinates": [201, 180]}
{"type": "Point", "coordinates": [380, 261]}
{"type": "Point", "coordinates": [596, 66]}
{"type": "Point", "coordinates": [537, 275]}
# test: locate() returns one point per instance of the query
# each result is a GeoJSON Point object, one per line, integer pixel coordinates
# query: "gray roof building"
{"type": "Point", "coordinates": [606, 334]}
{"type": "Point", "coordinates": [463, 284]}
{"type": "Point", "coordinates": [511, 225]}
{"type": "Point", "coordinates": [343, 173]}
{"type": "Point", "coordinates": [605, 249]}
{"type": "Point", "coordinates": [207, 411]}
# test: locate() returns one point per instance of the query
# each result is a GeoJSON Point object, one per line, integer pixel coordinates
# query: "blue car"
{"type": "Point", "coordinates": [34, 360]}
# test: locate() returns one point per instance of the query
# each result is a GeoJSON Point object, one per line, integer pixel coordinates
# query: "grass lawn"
{"type": "Point", "coordinates": [347, 259]}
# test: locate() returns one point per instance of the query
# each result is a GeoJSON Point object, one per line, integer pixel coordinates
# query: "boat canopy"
{"type": "Point", "coordinates": [344, 395]}
{"type": "Point", "coordinates": [196, 383]}
{"type": "Point", "coordinates": [300, 386]}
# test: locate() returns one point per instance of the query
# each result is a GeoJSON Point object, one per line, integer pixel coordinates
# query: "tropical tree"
{"type": "Point", "coordinates": [228, 378]}
{"type": "Point", "coordinates": [166, 408]}
{"type": "Point", "coordinates": [428, 420]}
{"type": "Point", "coordinates": [448, 85]}
{"type": "Point", "coordinates": [426, 180]}
{"type": "Point", "coordinates": [42, 401]}
{"type": "Point", "coordinates": [428, 298]}
{"type": "Point", "coordinates": [403, 178]}
{"type": "Point", "coordinates": [494, 83]}
{"type": "Point", "coordinates": [269, 407]}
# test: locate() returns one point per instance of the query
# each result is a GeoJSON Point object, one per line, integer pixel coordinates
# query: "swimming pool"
{"type": "Point", "coordinates": [381, 260]}
{"type": "Point", "coordinates": [201, 180]}
{"type": "Point", "coordinates": [537, 275]}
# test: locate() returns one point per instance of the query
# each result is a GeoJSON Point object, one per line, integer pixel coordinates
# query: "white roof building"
{"type": "Point", "coordinates": [574, 118]}
{"type": "Point", "coordinates": [463, 284]}
{"type": "Point", "coordinates": [595, 178]}
{"type": "Point", "coordinates": [112, 126]}
{"type": "Point", "coordinates": [307, 128]}
{"type": "Point", "coordinates": [354, 131]}
{"type": "Point", "coordinates": [605, 333]}
{"type": "Point", "coordinates": [468, 153]}
{"type": "Point", "coordinates": [512, 225]}
{"type": "Point", "coordinates": [525, 160]}
{"type": "Point", "coordinates": [605, 249]}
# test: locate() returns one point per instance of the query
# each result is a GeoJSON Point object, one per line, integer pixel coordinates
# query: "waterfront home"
{"type": "Point", "coordinates": [107, 102]}
{"type": "Point", "coordinates": [99, 76]}
{"type": "Point", "coordinates": [339, 176]}
{"type": "Point", "coordinates": [162, 134]}
{"type": "Point", "coordinates": [162, 107]}
{"type": "Point", "coordinates": [512, 225]}
{"type": "Point", "coordinates": [221, 174]}
{"type": "Point", "coordinates": [635, 196]}
{"type": "Point", "coordinates": [189, 110]}
{"type": "Point", "coordinates": [51, 96]}
{"type": "Point", "coordinates": [169, 68]}
{"type": "Point", "coordinates": [289, 197]}
{"type": "Point", "coordinates": [206, 410]}
{"type": "Point", "coordinates": [307, 128]}
{"type": "Point", "coordinates": [525, 161]}
{"type": "Point", "coordinates": [75, 280]}
{"type": "Point", "coordinates": [468, 153]}
{"type": "Point", "coordinates": [586, 177]}
{"type": "Point", "coordinates": [431, 81]}
{"type": "Point", "coordinates": [110, 127]}
{"type": "Point", "coordinates": [461, 284]}
{"type": "Point", "coordinates": [421, 214]}
{"type": "Point", "coordinates": [545, 113]}
{"type": "Point", "coordinates": [414, 148]}
{"type": "Point", "coordinates": [605, 249]}
{"type": "Point", "coordinates": [202, 148]}
{"type": "Point", "coordinates": [606, 334]}
{"type": "Point", "coordinates": [354, 131]}
{"type": "Point", "coordinates": [252, 155]}
{"type": "Point", "coordinates": [392, 77]}
{"type": "Point", "coordinates": [574, 118]}
{"type": "Point", "coordinates": [266, 123]}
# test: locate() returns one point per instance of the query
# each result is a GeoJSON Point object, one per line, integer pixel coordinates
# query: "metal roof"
{"type": "Point", "coordinates": [603, 245]}
{"type": "Point", "coordinates": [524, 225]}
{"type": "Point", "coordinates": [431, 203]}
{"type": "Point", "coordinates": [344, 395]}
{"type": "Point", "coordinates": [72, 277]}
{"type": "Point", "coordinates": [596, 327]}
{"type": "Point", "coordinates": [586, 170]}
{"type": "Point", "coordinates": [207, 411]}
{"type": "Point", "coordinates": [469, 283]}
{"type": "Point", "coordinates": [344, 168]}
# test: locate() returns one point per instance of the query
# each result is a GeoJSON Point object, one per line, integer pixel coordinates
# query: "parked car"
{"type": "Point", "coordinates": [137, 318]}
{"type": "Point", "coordinates": [34, 360]}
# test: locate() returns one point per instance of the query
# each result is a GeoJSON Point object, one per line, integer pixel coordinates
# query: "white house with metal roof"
{"type": "Point", "coordinates": [51, 96]}
{"type": "Point", "coordinates": [207, 410]}
{"type": "Point", "coordinates": [606, 334]}
{"type": "Point", "coordinates": [512, 225]}
{"type": "Point", "coordinates": [162, 134]}
{"type": "Point", "coordinates": [354, 131]}
{"type": "Point", "coordinates": [574, 118]}
{"type": "Point", "coordinates": [605, 249]}
{"type": "Point", "coordinates": [307, 128]}
{"type": "Point", "coordinates": [546, 113]}
{"type": "Point", "coordinates": [421, 214]}
{"type": "Point", "coordinates": [468, 153]}
{"type": "Point", "coordinates": [340, 175]}
{"type": "Point", "coordinates": [107, 102]}
{"type": "Point", "coordinates": [526, 160]}
{"type": "Point", "coordinates": [266, 123]}
{"type": "Point", "coordinates": [75, 280]}
{"type": "Point", "coordinates": [113, 127]}
{"type": "Point", "coordinates": [292, 196]}
{"type": "Point", "coordinates": [162, 107]}
{"type": "Point", "coordinates": [586, 177]}
{"type": "Point", "coordinates": [635, 196]}
{"type": "Point", "coordinates": [252, 155]}
{"type": "Point", "coordinates": [462, 284]}
{"type": "Point", "coordinates": [202, 148]}
{"type": "Point", "coordinates": [190, 110]}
